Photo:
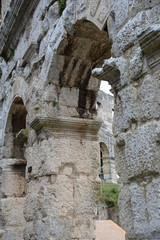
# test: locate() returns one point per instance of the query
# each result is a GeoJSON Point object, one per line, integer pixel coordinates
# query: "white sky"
{"type": "Point", "coordinates": [105, 87]}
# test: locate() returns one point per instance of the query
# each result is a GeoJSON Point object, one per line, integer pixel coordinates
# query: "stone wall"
{"type": "Point", "coordinates": [46, 68]}
{"type": "Point", "coordinates": [133, 72]}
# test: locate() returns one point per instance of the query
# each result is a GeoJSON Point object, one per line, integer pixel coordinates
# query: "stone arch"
{"type": "Point", "coordinates": [81, 49]}
{"type": "Point", "coordinates": [13, 163]}
{"type": "Point", "coordinates": [105, 172]}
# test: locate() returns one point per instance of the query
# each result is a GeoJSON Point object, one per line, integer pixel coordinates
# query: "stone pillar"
{"type": "Point", "coordinates": [136, 89]}
{"type": "Point", "coordinates": [13, 189]}
{"type": "Point", "coordinates": [63, 182]}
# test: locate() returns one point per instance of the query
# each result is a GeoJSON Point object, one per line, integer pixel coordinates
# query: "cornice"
{"type": "Point", "coordinates": [149, 42]}
{"type": "Point", "coordinates": [67, 126]}
{"type": "Point", "coordinates": [14, 24]}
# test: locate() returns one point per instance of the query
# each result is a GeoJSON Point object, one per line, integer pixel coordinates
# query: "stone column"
{"type": "Point", "coordinates": [12, 198]}
{"type": "Point", "coordinates": [62, 175]}
{"type": "Point", "coordinates": [135, 79]}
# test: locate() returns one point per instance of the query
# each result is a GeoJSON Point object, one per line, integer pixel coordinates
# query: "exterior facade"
{"type": "Point", "coordinates": [105, 110]}
{"type": "Point", "coordinates": [53, 56]}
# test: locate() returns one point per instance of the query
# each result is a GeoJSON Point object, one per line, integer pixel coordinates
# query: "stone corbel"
{"type": "Point", "coordinates": [22, 135]}
{"type": "Point", "coordinates": [67, 127]}
{"type": "Point", "coordinates": [149, 41]}
{"type": "Point", "coordinates": [109, 72]}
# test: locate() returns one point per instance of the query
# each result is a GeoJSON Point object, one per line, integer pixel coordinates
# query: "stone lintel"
{"type": "Point", "coordinates": [149, 41]}
{"type": "Point", "coordinates": [22, 135]}
{"type": "Point", "coordinates": [71, 127]}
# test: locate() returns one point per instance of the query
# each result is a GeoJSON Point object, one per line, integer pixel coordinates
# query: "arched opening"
{"type": "Point", "coordinates": [105, 171]}
{"type": "Point", "coordinates": [13, 188]}
{"type": "Point", "coordinates": [85, 48]}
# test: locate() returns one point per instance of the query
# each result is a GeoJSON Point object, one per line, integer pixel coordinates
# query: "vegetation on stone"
{"type": "Point", "coordinates": [61, 6]}
{"type": "Point", "coordinates": [109, 194]}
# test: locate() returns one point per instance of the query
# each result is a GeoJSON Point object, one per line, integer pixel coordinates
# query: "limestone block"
{"type": "Point", "coordinates": [13, 181]}
{"type": "Point", "coordinates": [120, 9]}
{"type": "Point", "coordinates": [140, 210]}
{"type": "Point", "coordinates": [37, 32]}
{"type": "Point", "coordinates": [12, 212]}
{"type": "Point", "coordinates": [125, 214]}
{"type": "Point", "coordinates": [86, 196]}
{"type": "Point", "coordinates": [140, 154]}
{"type": "Point", "coordinates": [146, 212]}
{"type": "Point", "coordinates": [69, 97]}
{"type": "Point", "coordinates": [83, 228]}
{"type": "Point", "coordinates": [48, 229]}
{"type": "Point", "coordinates": [64, 194]}
{"type": "Point", "coordinates": [153, 203]}
{"type": "Point", "coordinates": [12, 234]}
{"type": "Point", "coordinates": [50, 93]}
{"type": "Point", "coordinates": [137, 6]}
{"type": "Point", "coordinates": [128, 34]}
{"type": "Point", "coordinates": [48, 156]}
{"type": "Point", "coordinates": [68, 111]}
{"type": "Point", "coordinates": [135, 104]}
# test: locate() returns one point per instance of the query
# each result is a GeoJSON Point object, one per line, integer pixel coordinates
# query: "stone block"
{"type": "Point", "coordinates": [48, 156]}
{"type": "Point", "coordinates": [12, 212]}
{"type": "Point", "coordinates": [13, 181]}
{"type": "Point", "coordinates": [69, 97]}
{"type": "Point", "coordinates": [140, 154]}
{"type": "Point", "coordinates": [86, 196]}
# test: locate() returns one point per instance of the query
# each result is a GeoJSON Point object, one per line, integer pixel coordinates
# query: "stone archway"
{"type": "Point", "coordinates": [13, 163]}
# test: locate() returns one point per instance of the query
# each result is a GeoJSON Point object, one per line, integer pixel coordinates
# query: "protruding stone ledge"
{"type": "Point", "coordinates": [8, 162]}
{"type": "Point", "coordinates": [109, 72]}
{"type": "Point", "coordinates": [71, 127]}
{"type": "Point", "coordinates": [22, 135]}
{"type": "Point", "coordinates": [149, 41]}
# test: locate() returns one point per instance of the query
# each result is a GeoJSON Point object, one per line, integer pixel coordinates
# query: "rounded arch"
{"type": "Point", "coordinates": [78, 52]}
{"type": "Point", "coordinates": [105, 169]}
{"type": "Point", "coordinates": [18, 90]}
{"type": "Point", "coordinates": [16, 121]}
{"type": "Point", "coordinates": [13, 164]}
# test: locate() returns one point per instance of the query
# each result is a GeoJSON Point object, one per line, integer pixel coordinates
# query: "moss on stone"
{"type": "Point", "coordinates": [61, 6]}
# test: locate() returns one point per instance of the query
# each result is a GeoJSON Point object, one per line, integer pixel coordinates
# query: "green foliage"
{"type": "Point", "coordinates": [54, 103]}
{"type": "Point", "coordinates": [11, 53]}
{"type": "Point", "coordinates": [45, 32]}
{"type": "Point", "coordinates": [109, 194]}
{"type": "Point", "coordinates": [61, 6]}
{"type": "Point", "coordinates": [47, 9]}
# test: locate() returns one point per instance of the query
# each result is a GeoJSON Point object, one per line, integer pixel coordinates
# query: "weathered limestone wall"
{"type": "Point", "coordinates": [105, 107]}
{"type": "Point", "coordinates": [46, 64]}
{"type": "Point", "coordinates": [133, 72]}
{"type": "Point", "coordinates": [4, 5]}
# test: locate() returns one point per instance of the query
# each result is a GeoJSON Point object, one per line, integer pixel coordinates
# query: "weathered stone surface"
{"type": "Point", "coordinates": [46, 70]}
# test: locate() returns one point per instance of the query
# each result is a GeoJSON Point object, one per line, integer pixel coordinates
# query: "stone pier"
{"type": "Point", "coordinates": [62, 177]}
{"type": "Point", "coordinates": [48, 117]}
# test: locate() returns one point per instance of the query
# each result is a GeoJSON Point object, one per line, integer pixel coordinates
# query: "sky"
{"type": "Point", "coordinates": [105, 87]}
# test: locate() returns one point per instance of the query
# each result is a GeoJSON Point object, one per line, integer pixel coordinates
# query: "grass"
{"type": "Point", "coordinates": [109, 194]}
